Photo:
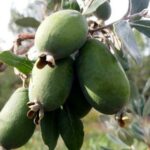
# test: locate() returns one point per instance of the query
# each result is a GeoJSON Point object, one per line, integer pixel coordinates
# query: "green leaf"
{"type": "Point", "coordinates": [49, 130]}
{"type": "Point", "coordinates": [104, 148]}
{"type": "Point", "coordinates": [54, 5]}
{"type": "Point", "coordinates": [116, 140]}
{"type": "Point", "coordinates": [123, 59]}
{"type": "Point", "coordinates": [71, 129]}
{"type": "Point", "coordinates": [126, 36]}
{"type": "Point", "coordinates": [27, 22]}
{"type": "Point", "coordinates": [146, 111]}
{"type": "Point", "coordinates": [125, 136]}
{"type": "Point", "coordinates": [136, 99]}
{"type": "Point", "coordinates": [21, 63]}
{"type": "Point", "coordinates": [146, 87]}
{"type": "Point", "coordinates": [138, 131]}
{"type": "Point", "coordinates": [142, 26]}
{"type": "Point", "coordinates": [94, 6]}
{"type": "Point", "coordinates": [138, 6]}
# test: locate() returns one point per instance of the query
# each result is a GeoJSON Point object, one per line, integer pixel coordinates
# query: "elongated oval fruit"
{"type": "Point", "coordinates": [71, 5]}
{"type": "Point", "coordinates": [103, 11]}
{"type": "Point", "coordinates": [76, 101]}
{"type": "Point", "coordinates": [49, 87]}
{"type": "Point", "coordinates": [15, 128]}
{"type": "Point", "coordinates": [103, 81]}
{"type": "Point", "coordinates": [62, 33]}
{"type": "Point", "coordinates": [71, 129]}
{"type": "Point", "coordinates": [49, 129]}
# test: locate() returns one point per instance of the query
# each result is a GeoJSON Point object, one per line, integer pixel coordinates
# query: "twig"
{"type": "Point", "coordinates": [128, 11]}
{"type": "Point", "coordinates": [21, 37]}
{"type": "Point", "coordinates": [103, 27]}
{"type": "Point", "coordinates": [143, 13]}
{"type": "Point", "coordinates": [24, 36]}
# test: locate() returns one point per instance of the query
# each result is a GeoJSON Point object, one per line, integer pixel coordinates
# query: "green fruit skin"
{"type": "Point", "coordinates": [77, 102]}
{"type": "Point", "coordinates": [62, 33]}
{"type": "Point", "coordinates": [103, 11]}
{"type": "Point", "coordinates": [103, 80]}
{"type": "Point", "coordinates": [71, 5]}
{"type": "Point", "coordinates": [15, 128]}
{"type": "Point", "coordinates": [49, 129]}
{"type": "Point", "coordinates": [71, 129]}
{"type": "Point", "coordinates": [51, 86]}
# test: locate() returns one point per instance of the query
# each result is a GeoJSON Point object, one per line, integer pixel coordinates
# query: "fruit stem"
{"type": "Point", "coordinates": [36, 111]}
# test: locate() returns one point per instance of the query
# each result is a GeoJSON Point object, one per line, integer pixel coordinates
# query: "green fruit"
{"type": "Point", "coordinates": [103, 80]}
{"type": "Point", "coordinates": [61, 33]}
{"type": "Point", "coordinates": [49, 129]}
{"type": "Point", "coordinates": [15, 128]}
{"type": "Point", "coordinates": [103, 11]}
{"type": "Point", "coordinates": [71, 129]}
{"type": "Point", "coordinates": [76, 101]}
{"type": "Point", "coordinates": [49, 87]}
{"type": "Point", "coordinates": [71, 5]}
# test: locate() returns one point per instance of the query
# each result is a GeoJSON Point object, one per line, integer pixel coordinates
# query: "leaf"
{"type": "Point", "coordinates": [146, 111]}
{"type": "Point", "coordinates": [81, 3]}
{"type": "Point", "coordinates": [105, 121]}
{"type": "Point", "coordinates": [116, 140]}
{"type": "Point", "coordinates": [137, 131]}
{"type": "Point", "coordinates": [27, 22]}
{"type": "Point", "coordinates": [125, 136]}
{"type": "Point", "coordinates": [138, 6]}
{"type": "Point", "coordinates": [54, 4]}
{"type": "Point", "coordinates": [123, 59]}
{"type": "Point", "coordinates": [146, 87]}
{"type": "Point", "coordinates": [71, 129]}
{"type": "Point", "coordinates": [136, 99]}
{"type": "Point", "coordinates": [126, 36]}
{"type": "Point", "coordinates": [142, 26]}
{"type": "Point", "coordinates": [94, 6]}
{"type": "Point", "coordinates": [49, 130]}
{"type": "Point", "coordinates": [104, 148]}
{"type": "Point", "coordinates": [21, 63]}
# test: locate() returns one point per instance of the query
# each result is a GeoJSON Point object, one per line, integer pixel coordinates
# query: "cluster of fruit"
{"type": "Point", "coordinates": [72, 74]}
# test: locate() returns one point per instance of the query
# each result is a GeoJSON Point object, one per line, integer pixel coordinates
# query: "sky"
{"type": "Point", "coordinates": [6, 37]}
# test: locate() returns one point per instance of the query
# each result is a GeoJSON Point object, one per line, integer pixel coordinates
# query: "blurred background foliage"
{"type": "Point", "coordinates": [101, 132]}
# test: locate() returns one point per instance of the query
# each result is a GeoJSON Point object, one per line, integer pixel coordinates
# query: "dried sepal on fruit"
{"type": "Point", "coordinates": [49, 88]}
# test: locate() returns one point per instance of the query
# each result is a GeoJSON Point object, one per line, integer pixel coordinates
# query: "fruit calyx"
{"type": "Point", "coordinates": [36, 111]}
{"type": "Point", "coordinates": [45, 59]}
